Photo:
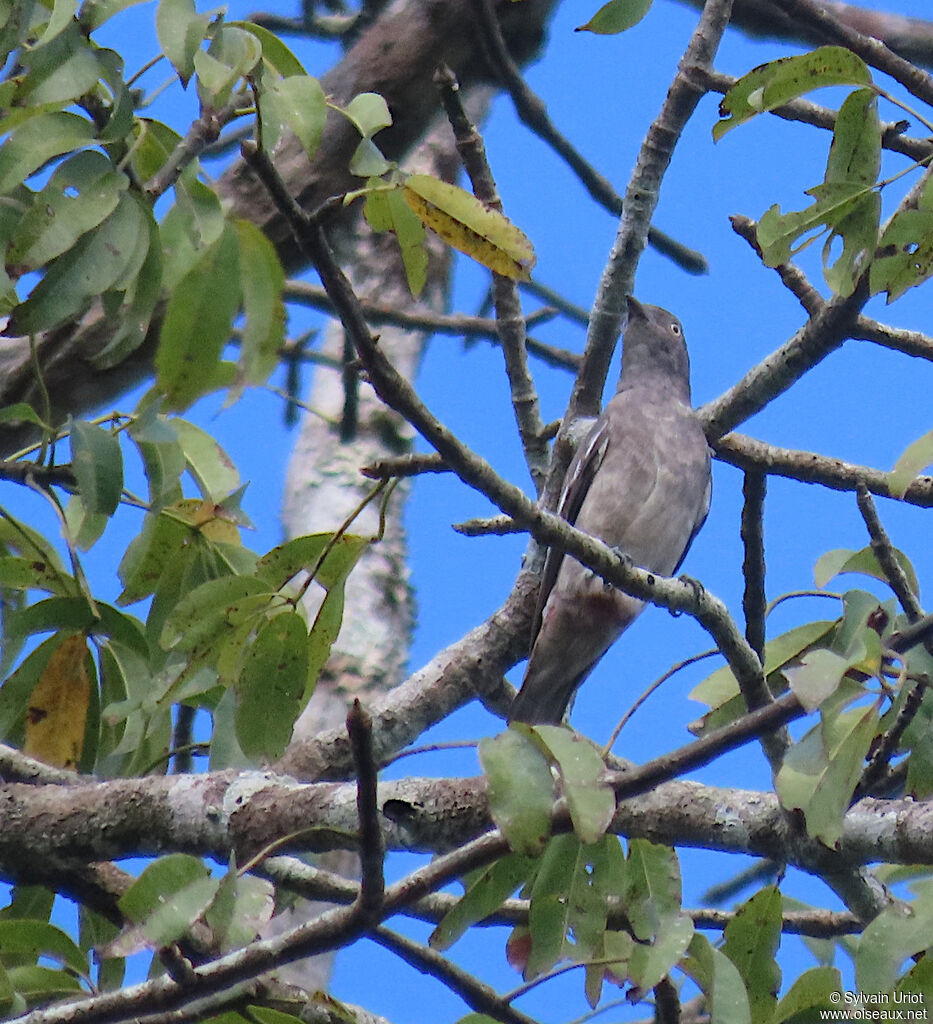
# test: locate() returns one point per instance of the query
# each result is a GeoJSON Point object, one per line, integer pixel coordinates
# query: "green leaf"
{"type": "Point", "coordinates": [197, 324]}
{"type": "Point", "coordinates": [616, 16]}
{"type": "Point", "coordinates": [777, 232]}
{"type": "Point", "coordinates": [62, 15]}
{"type": "Point", "coordinates": [82, 192]}
{"type": "Point", "coordinates": [28, 901]}
{"type": "Point", "coordinates": [521, 789]}
{"type": "Point", "coordinates": [232, 53]}
{"type": "Point", "coordinates": [818, 676]}
{"type": "Point", "coordinates": [819, 774]}
{"type": "Point", "coordinates": [486, 892]}
{"type": "Point", "coordinates": [780, 81]}
{"type": "Point", "coordinates": [266, 1015]}
{"type": "Point", "coordinates": [42, 983]}
{"type": "Point", "coordinates": [94, 13]}
{"type": "Point", "coordinates": [718, 977]}
{"type": "Point", "coordinates": [368, 161]}
{"type": "Point", "coordinates": [652, 894]}
{"type": "Point", "coordinates": [88, 269]}
{"type": "Point", "coordinates": [152, 144]}
{"type": "Point", "coordinates": [855, 153]}
{"type": "Point", "coordinates": [210, 466]}
{"type": "Point", "coordinates": [164, 462]}
{"type": "Point", "coordinates": [813, 990]}
{"type": "Point", "coordinates": [900, 931]}
{"type": "Point", "coordinates": [158, 546]}
{"type": "Point", "coordinates": [15, 22]}
{"type": "Point", "coordinates": [650, 962]}
{"type": "Point", "coordinates": [271, 689]}
{"type": "Point", "coordinates": [916, 456]}
{"type": "Point", "coordinates": [752, 939]}
{"type": "Point", "coordinates": [590, 801]}
{"type": "Point", "coordinates": [239, 909]}
{"type": "Point", "coordinates": [59, 71]}
{"type": "Point", "coordinates": [214, 606]}
{"type": "Point", "coordinates": [282, 563]}
{"type": "Point", "coordinates": [276, 56]}
{"type": "Point", "coordinates": [842, 560]}
{"type": "Point", "coordinates": [36, 573]}
{"type": "Point", "coordinates": [166, 899]}
{"type": "Point", "coordinates": [567, 915]}
{"type": "Point", "coordinates": [180, 30]}
{"type": "Point", "coordinates": [721, 687]}
{"type": "Point", "coordinates": [296, 103]}
{"type": "Point", "coordinates": [97, 461]}
{"type": "Point", "coordinates": [905, 253]}
{"type": "Point", "coordinates": [369, 112]}
{"type": "Point", "coordinates": [261, 282]}
{"type": "Point", "coordinates": [54, 613]}
{"type": "Point", "coordinates": [37, 140]}
{"type": "Point", "coordinates": [19, 937]}
{"type": "Point", "coordinates": [386, 210]}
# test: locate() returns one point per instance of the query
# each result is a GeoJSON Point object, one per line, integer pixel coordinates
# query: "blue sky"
{"type": "Point", "coordinates": [863, 404]}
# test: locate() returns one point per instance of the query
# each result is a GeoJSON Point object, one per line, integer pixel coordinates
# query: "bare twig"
{"type": "Point", "coordinates": [406, 465]}
{"type": "Point", "coordinates": [372, 854]}
{"type": "Point", "coordinates": [871, 50]}
{"type": "Point", "coordinates": [640, 201]}
{"type": "Point", "coordinates": [759, 723]}
{"type": "Point", "coordinates": [509, 319]}
{"type": "Point", "coordinates": [478, 996]}
{"type": "Point", "coordinates": [790, 274]}
{"type": "Point", "coordinates": [887, 559]}
{"type": "Point", "coordinates": [533, 114]}
{"type": "Point", "coordinates": [754, 601]}
{"type": "Point", "coordinates": [808, 467]}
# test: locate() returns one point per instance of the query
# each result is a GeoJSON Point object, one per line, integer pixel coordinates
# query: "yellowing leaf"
{"type": "Point", "coordinates": [463, 222]}
{"type": "Point", "coordinates": [57, 711]}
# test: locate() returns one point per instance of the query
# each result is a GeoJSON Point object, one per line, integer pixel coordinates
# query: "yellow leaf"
{"type": "Point", "coordinates": [57, 710]}
{"type": "Point", "coordinates": [209, 518]}
{"type": "Point", "coordinates": [463, 222]}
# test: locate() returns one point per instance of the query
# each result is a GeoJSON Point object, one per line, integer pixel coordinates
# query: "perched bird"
{"type": "Point", "coordinates": [641, 483]}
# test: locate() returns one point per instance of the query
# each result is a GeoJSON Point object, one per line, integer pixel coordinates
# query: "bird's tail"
{"type": "Point", "coordinates": [543, 700]}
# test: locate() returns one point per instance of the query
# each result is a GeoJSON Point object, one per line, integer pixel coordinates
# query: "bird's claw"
{"type": "Point", "coordinates": [695, 585]}
{"type": "Point", "coordinates": [624, 558]}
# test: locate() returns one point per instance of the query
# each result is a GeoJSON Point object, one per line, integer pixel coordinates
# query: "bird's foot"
{"type": "Point", "coordinates": [625, 558]}
{"type": "Point", "coordinates": [695, 585]}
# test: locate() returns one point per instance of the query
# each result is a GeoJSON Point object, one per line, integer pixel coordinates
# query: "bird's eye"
{"type": "Point", "coordinates": [675, 329]}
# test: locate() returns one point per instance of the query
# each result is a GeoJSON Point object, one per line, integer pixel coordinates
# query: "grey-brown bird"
{"type": "Point", "coordinates": [641, 483]}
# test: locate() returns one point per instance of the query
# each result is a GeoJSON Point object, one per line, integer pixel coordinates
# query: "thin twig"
{"type": "Point", "coordinates": [509, 319]}
{"type": "Point", "coordinates": [490, 526]}
{"type": "Point", "coordinates": [749, 453]}
{"type": "Point", "coordinates": [533, 114]}
{"type": "Point", "coordinates": [634, 781]}
{"type": "Point", "coordinates": [481, 998]}
{"type": "Point", "coordinates": [792, 277]}
{"type": "Point", "coordinates": [405, 465]}
{"type": "Point", "coordinates": [871, 50]}
{"type": "Point", "coordinates": [887, 559]}
{"type": "Point", "coordinates": [754, 601]}
{"type": "Point", "coordinates": [372, 852]}
{"type": "Point", "coordinates": [641, 197]}
{"type": "Point", "coordinates": [877, 769]}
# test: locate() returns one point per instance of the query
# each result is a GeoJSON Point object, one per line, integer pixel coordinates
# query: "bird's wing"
{"type": "Point", "coordinates": [582, 469]}
{"type": "Point", "coordinates": [698, 525]}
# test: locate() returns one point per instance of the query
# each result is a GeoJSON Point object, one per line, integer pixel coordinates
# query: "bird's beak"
{"type": "Point", "coordinates": [635, 308]}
